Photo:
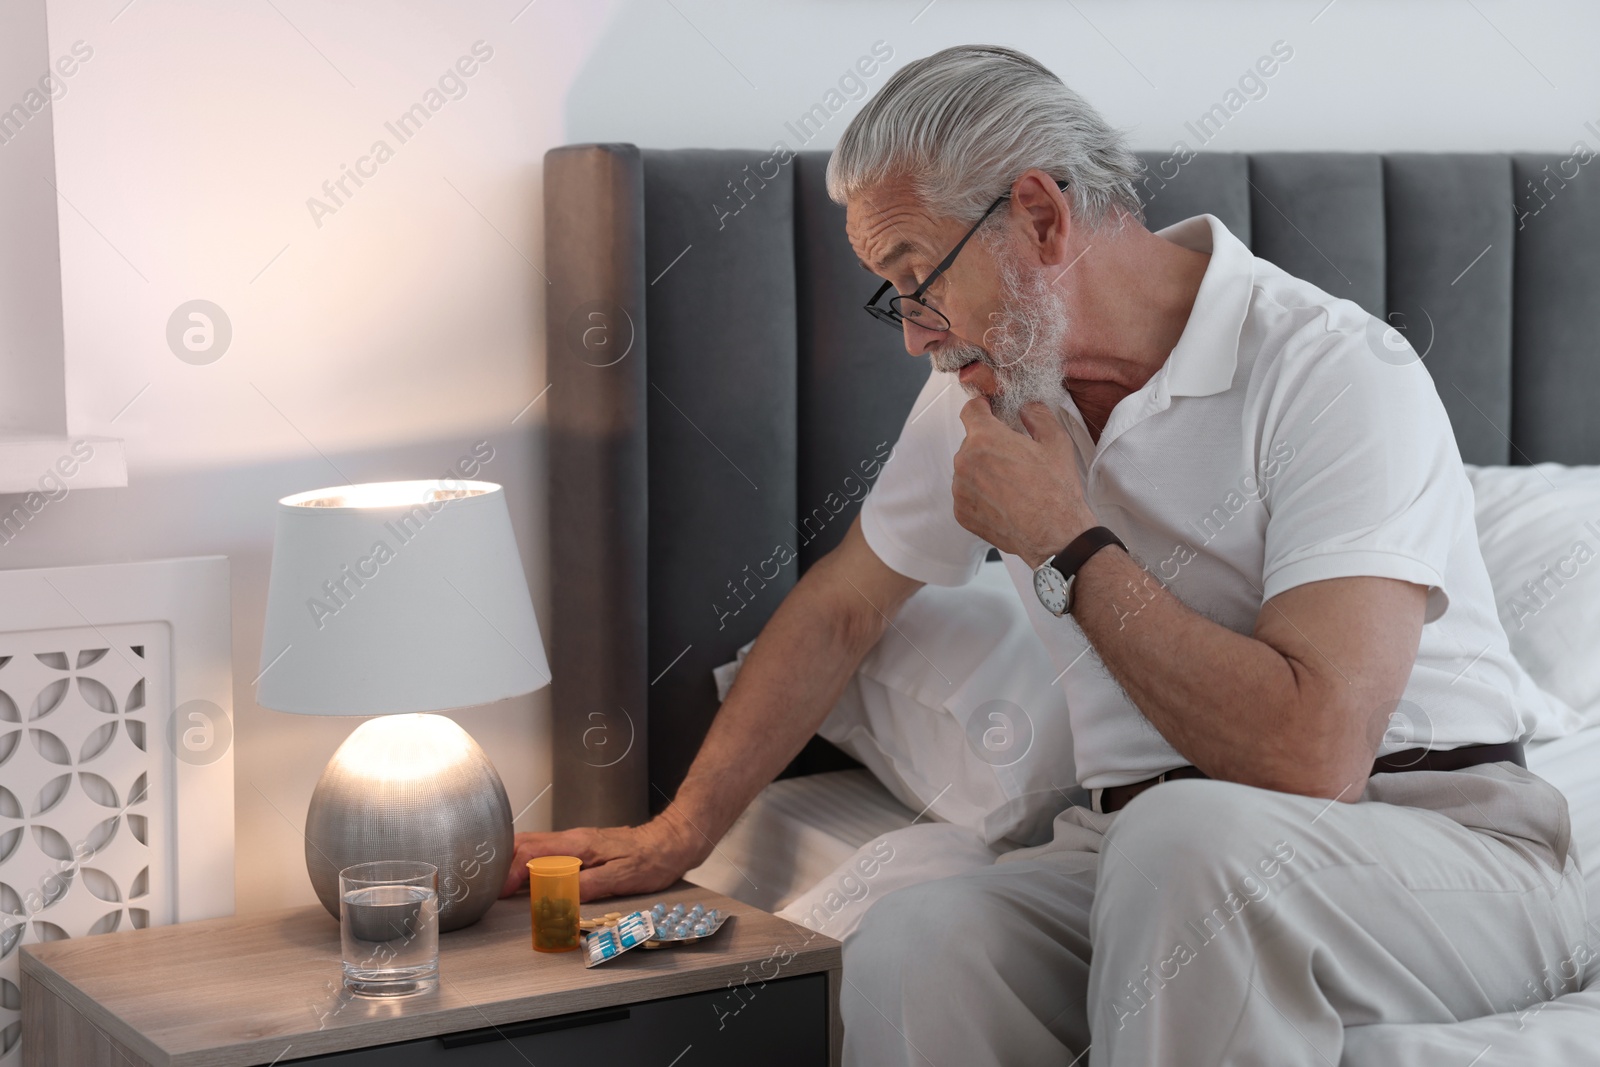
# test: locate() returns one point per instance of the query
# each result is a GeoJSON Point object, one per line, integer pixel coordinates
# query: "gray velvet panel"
{"type": "Point", "coordinates": [594, 248]}
{"type": "Point", "coordinates": [1450, 250]}
{"type": "Point", "coordinates": [722, 459]}
{"type": "Point", "coordinates": [1212, 184]}
{"type": "Point", "coordinates": [856, 380]}
{"type": "Point", "coordinates": [1556, 377]}
{"type": "Point", "coordinates": [1319, 216]}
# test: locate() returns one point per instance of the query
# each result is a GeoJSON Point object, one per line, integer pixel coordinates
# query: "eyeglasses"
{"type": "Point", "coordinates": [913, 307]}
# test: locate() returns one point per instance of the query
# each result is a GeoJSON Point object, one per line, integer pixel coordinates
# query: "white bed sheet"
{"type": "Point", "coordinates": [822, 849]}
{"type": "Point", "coordinates": [796, 833]}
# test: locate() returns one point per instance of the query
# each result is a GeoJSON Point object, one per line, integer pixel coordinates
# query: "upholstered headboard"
{"type": "Point", "coordinates": [719, 403]}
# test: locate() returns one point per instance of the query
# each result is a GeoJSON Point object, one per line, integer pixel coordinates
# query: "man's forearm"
{"type": "Point", "coordinates": [789, 683]}
{"type": "Point", "coordinates": [1231, 704]}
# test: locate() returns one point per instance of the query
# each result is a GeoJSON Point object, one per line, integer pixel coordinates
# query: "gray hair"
{"type": "Point", "coordinates": [964, 123]}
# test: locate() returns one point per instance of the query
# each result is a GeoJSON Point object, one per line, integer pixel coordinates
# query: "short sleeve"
{"type": "Point", "coordinates": [909, 517]}
{"type": "Point", "coordinates": [1363, 473]}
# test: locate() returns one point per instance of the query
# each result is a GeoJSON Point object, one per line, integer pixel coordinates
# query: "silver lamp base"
{"type": "Point", "coordinates": [412, 787]}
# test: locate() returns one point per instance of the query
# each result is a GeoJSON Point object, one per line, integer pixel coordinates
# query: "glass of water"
{"type": "Point", "coordinates": [389, 927]}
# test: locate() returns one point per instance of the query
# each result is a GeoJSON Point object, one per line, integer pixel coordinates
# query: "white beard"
{"type": "Point", "coordinates": [1024, 346]}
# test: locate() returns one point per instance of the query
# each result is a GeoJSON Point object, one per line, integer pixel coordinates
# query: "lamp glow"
{"type": "Point", "coordinates": [400, 747]}
{"type": "Point", "coordinates": [387, 494]}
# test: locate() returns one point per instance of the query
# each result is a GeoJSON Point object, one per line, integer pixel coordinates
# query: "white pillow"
{"type": "Point", "coordinates": [956, 712]}
{"type": "Point", "coordinates": [1539, 528]}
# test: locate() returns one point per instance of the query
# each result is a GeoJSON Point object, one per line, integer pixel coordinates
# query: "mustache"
{"type": "Point", "coordinates": [1015, 327]}
{"type": "Point", "coordinates": [953, 355]}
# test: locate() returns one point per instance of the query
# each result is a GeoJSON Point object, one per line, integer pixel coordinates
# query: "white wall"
{"type": "Point", "coordinates": [407, 326]}
{"type": "Point", "coordinates": [31, 397]}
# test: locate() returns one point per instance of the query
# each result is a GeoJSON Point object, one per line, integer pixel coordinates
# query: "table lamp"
{"type": "Point", "coordinates": [396, 599]}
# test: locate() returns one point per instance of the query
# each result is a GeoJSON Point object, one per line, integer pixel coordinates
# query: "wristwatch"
{"type": "Point", "coordinates": [1054, 578]}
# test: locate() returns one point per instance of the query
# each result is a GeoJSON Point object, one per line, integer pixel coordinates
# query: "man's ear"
{"type": "Point", "coordinates": [1045, 215]}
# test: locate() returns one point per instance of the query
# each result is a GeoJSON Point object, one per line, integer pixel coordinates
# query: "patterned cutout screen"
{"type": "Point", "coordinates": [85, 776]}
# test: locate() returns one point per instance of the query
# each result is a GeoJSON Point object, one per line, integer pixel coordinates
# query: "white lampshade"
{"type": "Point", "coordinates": [397, 597]}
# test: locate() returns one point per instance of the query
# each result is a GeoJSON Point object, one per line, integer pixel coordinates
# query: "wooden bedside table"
{"type": "Point", "coordinates": [268, 989]}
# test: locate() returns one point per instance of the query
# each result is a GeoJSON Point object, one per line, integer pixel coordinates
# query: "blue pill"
{"type": "Point", "coordinates": [702, 928]}
{"type": "Point", "coordinates": [681, 930]}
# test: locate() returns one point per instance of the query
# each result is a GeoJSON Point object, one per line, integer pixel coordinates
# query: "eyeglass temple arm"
{"type": "Point", "coordinates": [944, 264]}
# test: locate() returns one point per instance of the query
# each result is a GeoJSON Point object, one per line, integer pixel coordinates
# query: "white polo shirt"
{"type": "Point", "coordinates": [1289, 438]}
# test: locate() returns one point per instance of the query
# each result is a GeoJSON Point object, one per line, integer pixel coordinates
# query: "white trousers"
{"type": "Point", "coordinates": [1215, 923]}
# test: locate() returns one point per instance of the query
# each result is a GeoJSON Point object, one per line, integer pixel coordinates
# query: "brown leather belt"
{"type": "Point", "coordinates": [1411, 759]}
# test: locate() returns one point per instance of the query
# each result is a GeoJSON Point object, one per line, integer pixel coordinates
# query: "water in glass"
{"type": "Point", "coordinates": [389, 933]}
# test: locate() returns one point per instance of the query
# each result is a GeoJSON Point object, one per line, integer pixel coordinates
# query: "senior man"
{"type": "Point", "coordinates": [1247, 541]}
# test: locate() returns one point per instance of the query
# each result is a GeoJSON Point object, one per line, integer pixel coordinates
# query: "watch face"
{"type": "Point", "coordinates": [1051, 588]}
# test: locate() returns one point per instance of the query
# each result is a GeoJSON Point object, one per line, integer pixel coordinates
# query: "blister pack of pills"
{"type": "Point", "coordinates": [612, 941]}
{"type": "Point", "coordinates": [677, 924]}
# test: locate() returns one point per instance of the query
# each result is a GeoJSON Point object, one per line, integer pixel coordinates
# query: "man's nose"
{"type": "Point", "coordinates": [919, 339]}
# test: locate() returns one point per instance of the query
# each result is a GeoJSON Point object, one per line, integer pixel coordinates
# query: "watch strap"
{"type": "Point", "coordinates": [1070, 559]}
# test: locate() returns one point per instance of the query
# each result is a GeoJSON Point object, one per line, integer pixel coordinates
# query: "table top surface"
{"type": "Point", "coordinates": [254, 988]}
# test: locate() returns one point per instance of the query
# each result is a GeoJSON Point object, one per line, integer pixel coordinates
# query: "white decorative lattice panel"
{"type": "Point", "coordinates": [85, 774]}
{"type": "Point", "coordinates": [116, 769]}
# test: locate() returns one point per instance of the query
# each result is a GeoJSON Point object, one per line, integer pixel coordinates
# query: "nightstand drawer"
{"type": "Point", "coordinates": [783, 1023]}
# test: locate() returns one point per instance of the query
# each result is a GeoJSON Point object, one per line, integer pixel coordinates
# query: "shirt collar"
{"type": "Point", "coordinates": [1204, 359]}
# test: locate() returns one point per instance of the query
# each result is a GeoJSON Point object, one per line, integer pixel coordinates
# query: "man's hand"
{"type": "Point", "coordinates": [617, 861]}
{"type": "Point", "coordinates": [1019, 492]}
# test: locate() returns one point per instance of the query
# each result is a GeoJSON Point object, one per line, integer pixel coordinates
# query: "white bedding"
{"type": "Point", "coordinates": [796, 833]}
{"type": "Point", "coordinates": [821, 849]}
